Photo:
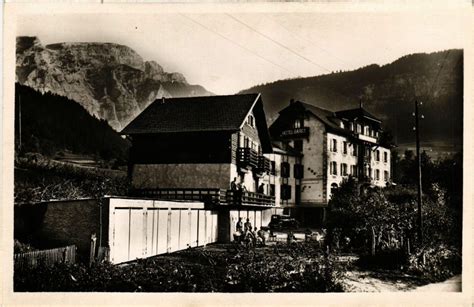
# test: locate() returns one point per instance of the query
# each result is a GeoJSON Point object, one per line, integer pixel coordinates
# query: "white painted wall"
{"type": "Point", "coordinates": [339, 157]}
{"type": "Point", "coordinates": [145, 228]}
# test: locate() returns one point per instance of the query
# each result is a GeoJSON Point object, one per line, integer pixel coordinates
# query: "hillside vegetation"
{"type": "Point", "coordinates": [388, 92]}
{"type": "Point", "coordinates": [51, 123]}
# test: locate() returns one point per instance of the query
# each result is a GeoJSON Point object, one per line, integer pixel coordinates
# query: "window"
{"type": "Point", "coordinates": [285, 191]}
{"type": "Point", "coordinates": [285, 169]}
{"type": "Point", "coordinates": [251, 120]}
{"type": "Point", "coordinates": [367, 151]}
{"type": "Point", "coordinates": [344, 169]}
{"type": "Point", "coordinates": [334, 145]}
{"type": "Point", "coordinates": [333, 168]}
{"type": "Point", "coordinates": [366, 130]}
{"type": "Point", "coordinates": [246, 142]}
{"type": "Point", "coordinates": [353, 170]}
{"type": "Point", "coordinates": [359, 128]}
{"type": "Point", "coordinates": [377, 155]}
{"type": "Point", "coordinates": [297, 124]}
{"type": "Point", "coordinates": [385, 175]}
{"type": "Point", "coordinates": [385, 157]}
{"type": "Point", "coordinates": [298, 145]}
{"type": "Point", "coordinates": [272, 190]}
{"type": "Point", "coordinates": [344, 147]}
{"type": "Point", "coordinates": [333, 188]}
{"type": "Point", "coordinates": [272, 167]}
{"type": "Point", "coordinates": [354, 150]}
{"type": "Point", "coordinates": [351, 126]}
{"type": "Point", "coordinates": [368, 172]}
{"type": "Point", "coordinates": [377, 174]}
{"type": "Point", "coordinates": [298, 171]}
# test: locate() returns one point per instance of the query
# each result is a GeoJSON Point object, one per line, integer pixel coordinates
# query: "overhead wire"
{"type": "Point", "coordinates": [278, 43]}
{"type": "Point", "coordinates": [238, 44]}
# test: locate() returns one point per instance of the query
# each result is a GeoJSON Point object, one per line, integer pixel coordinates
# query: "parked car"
{"type": "Point", "coordinates": [282, 222]}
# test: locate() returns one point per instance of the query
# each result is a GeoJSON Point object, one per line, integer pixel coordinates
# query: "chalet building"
{"type": "Point", "coordinates": [333, 146]}
{"type": "Point", "coordinates": [194, 148]}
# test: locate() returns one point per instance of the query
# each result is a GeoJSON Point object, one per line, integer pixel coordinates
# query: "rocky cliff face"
{"type": "Point", "coordinates": [110, 81]}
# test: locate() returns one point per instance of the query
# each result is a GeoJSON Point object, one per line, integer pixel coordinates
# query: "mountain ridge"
{"type": "Point", "coordinates": [388, 91]}
{"type": "Point", "coordinates": [111, 81]}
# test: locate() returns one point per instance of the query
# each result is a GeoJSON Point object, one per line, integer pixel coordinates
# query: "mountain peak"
{"type": "Point", "coordinates": [111, 81]}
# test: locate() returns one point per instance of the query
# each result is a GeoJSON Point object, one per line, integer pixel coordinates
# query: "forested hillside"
{"type": "Point", "coordinates": [50, 123]}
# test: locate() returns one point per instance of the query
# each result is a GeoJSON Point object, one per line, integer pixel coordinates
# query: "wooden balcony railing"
{"type": "Point", "coordinates": [214, 196]}
{"type": "Point", "coordinates": [206, 195]}
{"type": "Point", "coordinates": [239, 198]}
{"type": "Point", "coordinates": [247, 157]}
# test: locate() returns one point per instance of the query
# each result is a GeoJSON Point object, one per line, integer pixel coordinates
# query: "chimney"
{"type": "Point", "coordinates": [163, 100]}
{"type": "Point", "coordinates": [360, 103]}
{"type": "Point", "coordinates": [292, 101]}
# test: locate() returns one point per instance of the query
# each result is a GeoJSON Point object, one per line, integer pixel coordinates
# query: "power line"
{"type": "Point", "coordinates": [278, 43]}
{"type": "Point", "coordinates": [439, 71]}
{"type": "Point", "coordinates": [311, 42]}
{"type": "Point", "coordinates": [239, 45]}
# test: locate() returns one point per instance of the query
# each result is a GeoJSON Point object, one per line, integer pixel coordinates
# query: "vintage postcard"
{"type": "Point", "coordinates": [237, 153]}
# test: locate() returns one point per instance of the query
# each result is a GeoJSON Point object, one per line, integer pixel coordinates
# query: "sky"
{"type": "Point", "coordinates": [229, 52]}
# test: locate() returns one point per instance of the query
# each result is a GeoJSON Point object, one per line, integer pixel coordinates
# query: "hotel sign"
{"type": "Point", "coordinates": [295, 133]}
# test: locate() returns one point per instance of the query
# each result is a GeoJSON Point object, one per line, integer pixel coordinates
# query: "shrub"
{"type": "Point", "coordinates": [436, 262]}
{"type": "Point", "coordinates": [284, 269]}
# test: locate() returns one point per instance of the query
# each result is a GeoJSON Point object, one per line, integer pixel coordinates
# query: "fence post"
{"type": "Point", "coordinates": [373, 241]}
{"type": "Point", "coordinates": [92, 252]}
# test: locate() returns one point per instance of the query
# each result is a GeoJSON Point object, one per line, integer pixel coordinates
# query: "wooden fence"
{"type": "Point", "coordinates": [47, 257]}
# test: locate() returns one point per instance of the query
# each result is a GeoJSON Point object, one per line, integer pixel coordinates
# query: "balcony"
{"type": "Point", "coordinates": [263, 165]}
{"type": "Point", "coordinates": [247, 157]}
{"type": "Point", "coordinates": [239, 198]}
{"type": "Point", "coordinates": [192, 194]}
{"type": "Point", "coordinates": [209, 196]}
{"type": "Point", "coordinates": [295, 133]}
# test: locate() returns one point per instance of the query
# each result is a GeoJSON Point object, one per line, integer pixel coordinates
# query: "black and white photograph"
{"type": "Point", "coordinates": [237, 150]}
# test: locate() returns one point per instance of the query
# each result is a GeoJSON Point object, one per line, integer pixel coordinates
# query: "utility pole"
{"type": "Point", "coordinates": [418, 157]}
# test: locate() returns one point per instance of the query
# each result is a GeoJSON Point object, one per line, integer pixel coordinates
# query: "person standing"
{"type": "Point", "coordinates": [233, 184]}
{"type": "Point", "coordinates": [239, 226]}
{"type": "Point", "coordinates": [261, 189]}
{"type": "Point", "coordinates": [248, 226]}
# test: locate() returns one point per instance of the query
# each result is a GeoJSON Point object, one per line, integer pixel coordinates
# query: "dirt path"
{"type": "Point", "coordinates": [451, 285]}
{"type": "Point", "coordinates": [367, 281]}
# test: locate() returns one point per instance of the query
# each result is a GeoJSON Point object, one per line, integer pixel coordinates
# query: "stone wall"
{"type": "Point", "coordinates": [61, 223]}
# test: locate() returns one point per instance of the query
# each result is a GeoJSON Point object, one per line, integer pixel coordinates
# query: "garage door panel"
{"type": "Point", "coordinates": [120, 244]}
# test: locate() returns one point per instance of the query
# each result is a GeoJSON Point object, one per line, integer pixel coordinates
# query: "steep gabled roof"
{"type": "Point", "coordinates": [193, 114]}
{"type": "Point", "coordinates": [327, 117]}
{"type": "Point", "coordinates": [201, 114]}
{"type": "Point", "coordinates": [357, 113]}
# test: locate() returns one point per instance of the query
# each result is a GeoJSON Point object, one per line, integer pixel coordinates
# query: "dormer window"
{"type": "Point", "coordinates": [366, 130]}
{"type": "Point", "coordinates": [251, 120]}
{"type": "Point", "coordinates": [297, 124]}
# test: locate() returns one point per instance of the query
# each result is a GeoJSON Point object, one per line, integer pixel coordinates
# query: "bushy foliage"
{"type": "Point", "coordinates": [383, 222]}
{"type": "Point", "coordinates": [436, 262]}
{"type": "Point", "coordinates": [371, 214]}
{"type": "Point", "coordinates": [43, 179]}
{"type": "Point", "coordinates": [284, 269]}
